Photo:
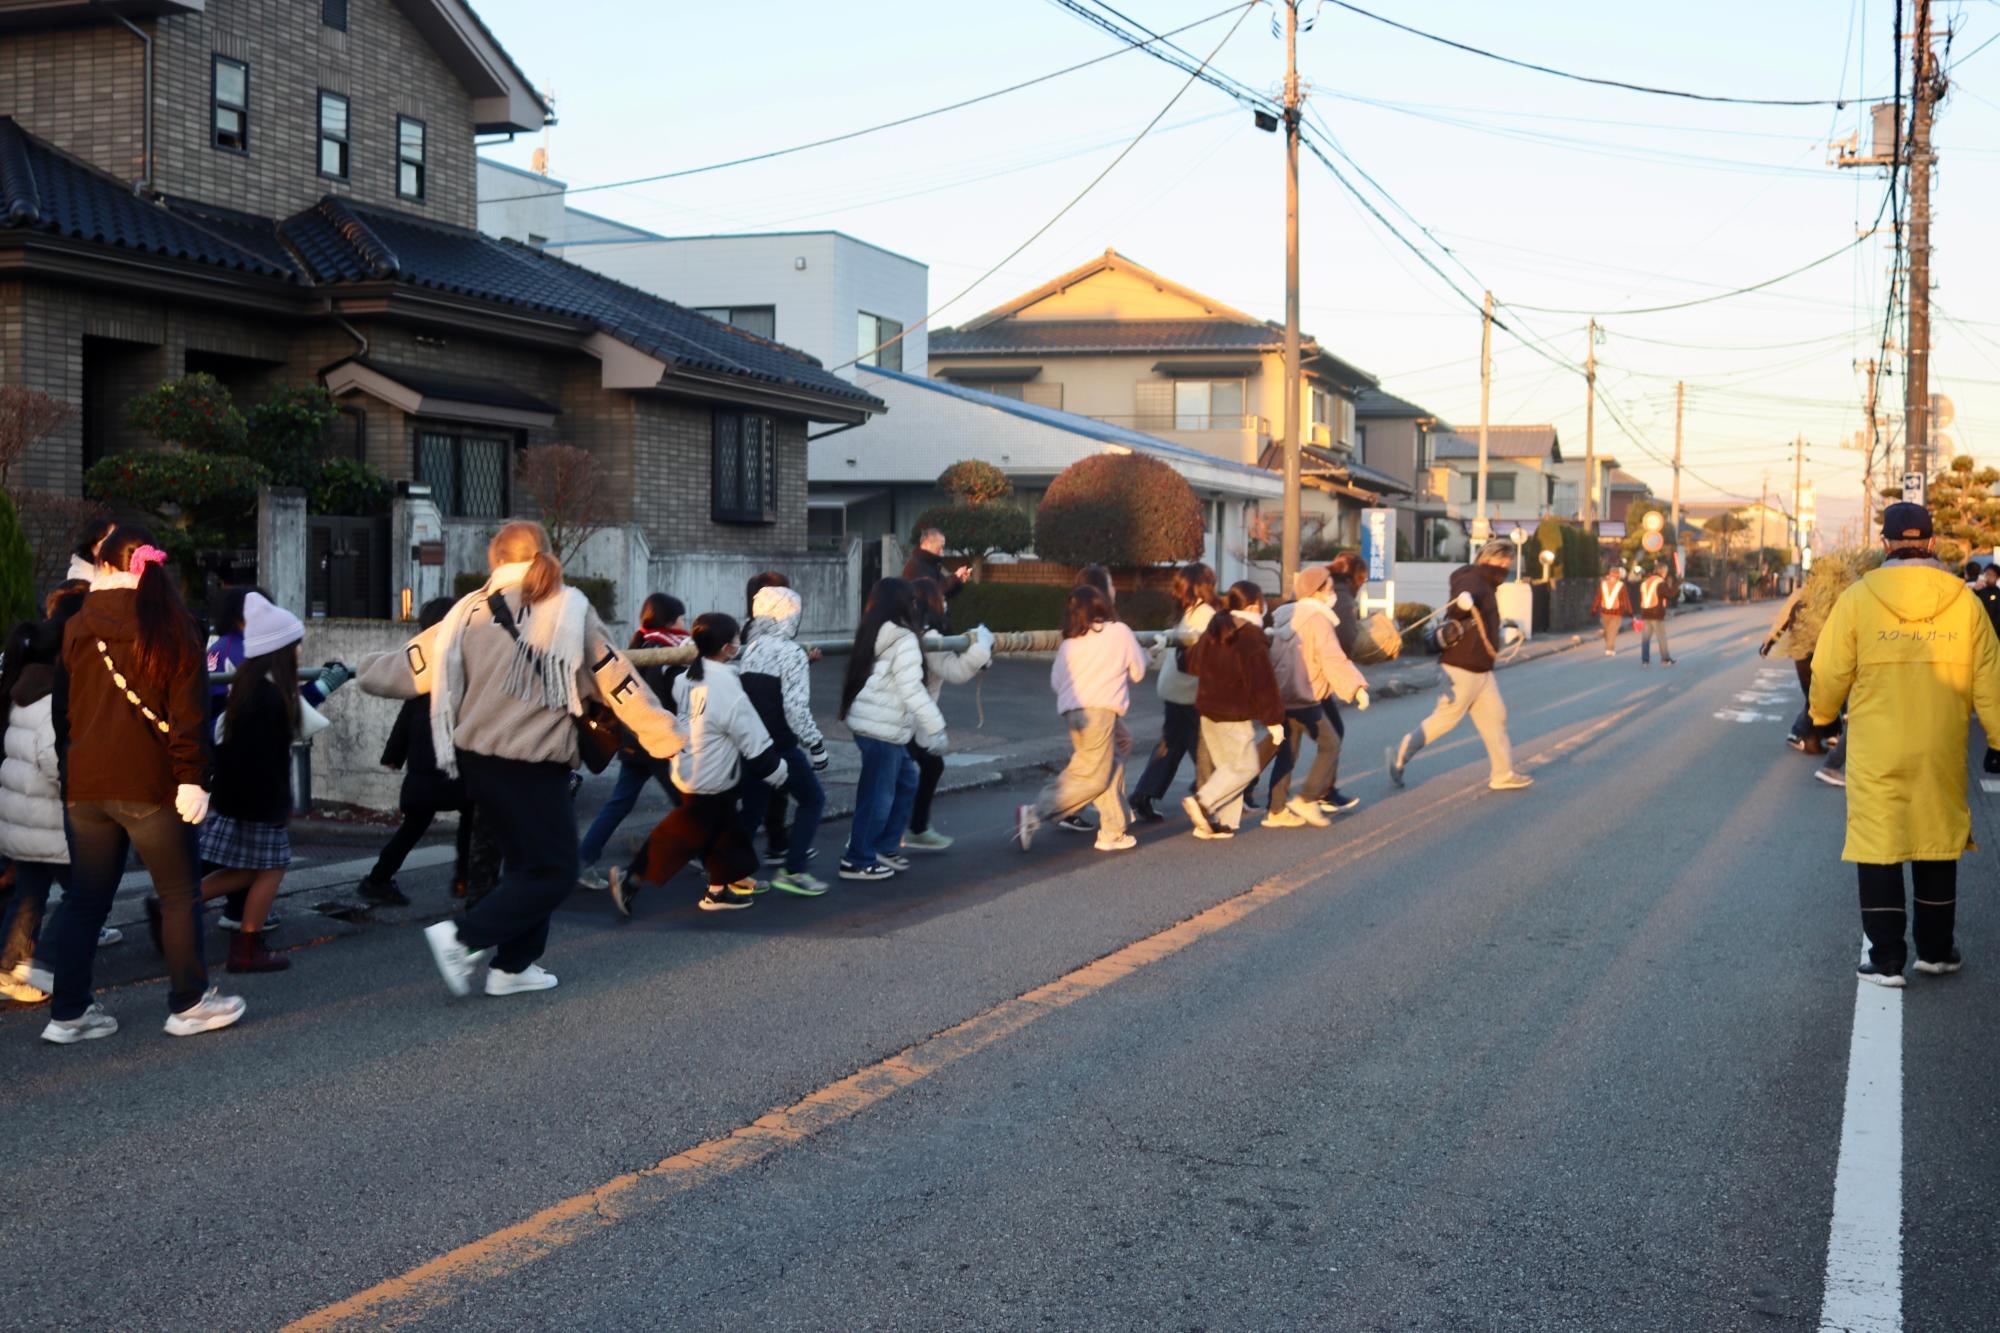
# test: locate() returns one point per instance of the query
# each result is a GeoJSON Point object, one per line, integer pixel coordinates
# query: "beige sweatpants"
{"type": "Point", "coordinates": [1232, 748]}
{"type": "Point", "coordinates": [1476, 693]}
{"type": "Point", "coordinates": [1095, 774]}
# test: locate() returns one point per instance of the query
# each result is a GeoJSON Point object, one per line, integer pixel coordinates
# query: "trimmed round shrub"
{"type": "Point", "coordinates": [975, 482]}
{"type": "Point", "coordinates": [978, 530]}
{"type": "Point", "coordinates": [193, 411]}
{"type": "Point", "coordinates": [1119, 509]}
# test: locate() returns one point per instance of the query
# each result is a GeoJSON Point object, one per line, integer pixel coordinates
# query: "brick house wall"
{"type": "Point", "coordinates": [672, 442]}
{"type": "Point", "coordinates": [82, 90]}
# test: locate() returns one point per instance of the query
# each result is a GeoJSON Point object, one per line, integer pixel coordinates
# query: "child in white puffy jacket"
{"type": "Point", "coordinates": [941, 668]}
{"type": "Point", "coordinates": [723, 742]}
{"type": "Point", "coordinates": [885, 703]}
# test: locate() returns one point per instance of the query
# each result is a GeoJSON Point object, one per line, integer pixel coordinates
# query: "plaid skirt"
{"type": "Point", "coordinates": [239, 844]}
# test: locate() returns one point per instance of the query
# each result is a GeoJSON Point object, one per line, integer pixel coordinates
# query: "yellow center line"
{"type": "Point", "coordinates": [409, 1296]}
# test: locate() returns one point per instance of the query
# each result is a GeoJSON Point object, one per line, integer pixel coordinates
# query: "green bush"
{"type": "Point", "coordinates": [602, 594]}
{"type": "Point", "coordinates": [203, 490]}
{"type": "Point", "coordinates": [975, 482]}
{"type": "Point", "coordinates": [194, 411]}
{"type": "Point", "coordinates": [1119, 509]}
{"type": "Point", "coordinates": [1410, 617]}
{"type": "Point", "coordinates": [1009, 607]}
{"type": "Point", "coordinates": [350, 488]}
{"type": "Point", "coordinates": [287, 434]}
{"type": "Point", "coordinates": [17, 570]}
{"type": "Point", "coordinates": [978, 530]}
{"type": "Point", "coordinates": [1149, 608]}
{"type": "Point", "coordinates": [1576, 553]}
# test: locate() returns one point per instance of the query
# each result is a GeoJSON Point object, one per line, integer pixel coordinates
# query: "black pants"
{"type": "Point", "coordinates": [417, 822]}
{"type": "Point", "coordinates": [100, 835]}
{"type": "Point", "coordinates": [705, 826]}
{"type": "Point", "coordinates": [527, 807]}
{"type": "Point", "coordinates": [776, 836]}
{"type": "Point", "coordinates": [1883, 914]}
{"type": "Point", "coordinates": [1180, 736]}
{"type": "Point", "coordinates": [930, 767]}
{"type": "Point", "coordinates": [1301, 725]}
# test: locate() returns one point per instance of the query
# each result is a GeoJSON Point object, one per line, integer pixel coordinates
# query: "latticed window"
{"type": "Point", "coordinates": [229, 94]}
{"type": "Point", "coordinates": [467, 474]}
{"type": "Point", "coordinates": [744, 468]}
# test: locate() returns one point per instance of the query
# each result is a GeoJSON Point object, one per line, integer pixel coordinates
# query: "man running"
{"type": "Point", "coordinates": [1469, 687]}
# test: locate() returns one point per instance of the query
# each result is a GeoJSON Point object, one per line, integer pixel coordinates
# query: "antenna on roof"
{"type": "Point", "coordinates": [539, 162]}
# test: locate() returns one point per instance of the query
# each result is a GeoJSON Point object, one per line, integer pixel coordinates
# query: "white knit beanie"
{"type": "Point", "coordinates": [267, 628]}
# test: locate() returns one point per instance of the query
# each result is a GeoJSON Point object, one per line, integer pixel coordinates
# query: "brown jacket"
{"type": "Point", "coordinates": [1238, 683]}
{"type": "Point", "coordinates": [110, 750]}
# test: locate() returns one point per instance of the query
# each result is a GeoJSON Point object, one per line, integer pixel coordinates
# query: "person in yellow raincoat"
{"type": "Point", "coordinates": [1911, 653]}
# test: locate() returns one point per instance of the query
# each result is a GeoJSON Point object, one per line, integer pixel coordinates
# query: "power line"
{"type": "Point", "coordinates": [1586, 78]}
{"type": "Point", "coordinates": [1123, 153]}
{"type": "Point", "coordinates": [1132, 45]}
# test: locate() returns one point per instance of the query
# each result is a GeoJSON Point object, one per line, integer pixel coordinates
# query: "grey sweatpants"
{"type": "Point", "coordinates": [1475, 693]}
{"type": "Point", "coordinates": [1095, 774]}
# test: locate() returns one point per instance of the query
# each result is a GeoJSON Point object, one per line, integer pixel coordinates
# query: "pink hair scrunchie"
{"type": "Point", "coordinates": [145, 555]}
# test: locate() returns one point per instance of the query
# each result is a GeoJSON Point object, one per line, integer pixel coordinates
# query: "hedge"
{"type": "Point", "coordinates": [601, 593]}
{"type": "Point", "coordinates": [1118, 509]}
{"type": "Point", "coordinates": [1409, 616]}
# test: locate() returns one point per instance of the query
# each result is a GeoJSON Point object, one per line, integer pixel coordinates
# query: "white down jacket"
{"type": "Point", "coordinates": [894, 704]}
{"type": "Point", "coordinates": [31, 812]}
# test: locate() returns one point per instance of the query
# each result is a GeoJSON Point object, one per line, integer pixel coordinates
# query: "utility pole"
{"type": "Point", "coordinates": [1680, 397]}
{"type": "Point", "coordinates": [1763, 508]}
{"type": "Point", "coordinates": [1798, 495]}
{"type": "Point", "coordinates": [1590, 429]}
{"type": "Point", "coordinates": [1294, 520]}
{"type": "Point", "coordinates": [1481, 528]}
{"type": "Point", "coordinates": [1926, 86]}
{"type": "Point", "coordinates": [1868, 458]}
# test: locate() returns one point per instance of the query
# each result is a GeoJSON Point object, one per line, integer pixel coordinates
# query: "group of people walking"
{"type": "Point", "coordinates": [1641, 597]}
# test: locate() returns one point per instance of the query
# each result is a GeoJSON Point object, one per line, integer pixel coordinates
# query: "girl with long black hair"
{"type": "Point", "coordinates": [131, 717]}
{"type": "Point", "coordinates": [1180, 733]}
{"type": "Point", "coordinates": [885, 704]}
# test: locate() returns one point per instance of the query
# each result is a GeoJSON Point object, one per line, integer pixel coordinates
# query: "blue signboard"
{"type": "Point", "coordinates": [1378, 543]}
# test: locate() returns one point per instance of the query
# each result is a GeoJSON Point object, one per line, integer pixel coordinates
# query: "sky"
{"type": "Point", "coordinates": [1551, 193]}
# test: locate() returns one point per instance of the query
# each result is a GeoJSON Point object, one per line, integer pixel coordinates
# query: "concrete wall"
{"type": "Point", "coordinates": [346, 756]}
{"type": "Point", "coordinates": [828, 585]}
{"type": "Point", "coordinates": [281, 546]}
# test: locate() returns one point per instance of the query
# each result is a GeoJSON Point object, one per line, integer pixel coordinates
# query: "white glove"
{"type": "Point", "coordinates": [1361, 699]}
{"type": "Point", "coordinates": [1277, 735]}
{"type": "Point", "coordinates": [1463, 601]}
{"type": "Point", "coordinates": [776, 777]}
{"type": "Point", "coordinates": [191, 802]}
{"type": "Point", "coordinates": [817, 757]}
{"type": "Point", "coordinates": [984, 637]}
{"type": "Point", "coordinates": [937, 744]}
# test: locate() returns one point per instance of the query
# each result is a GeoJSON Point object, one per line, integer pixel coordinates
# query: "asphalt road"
{"type": "Point", "coordinates": [1575, 1057]}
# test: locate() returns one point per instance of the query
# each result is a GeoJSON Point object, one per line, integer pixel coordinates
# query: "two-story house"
{"type": "Point", "coordinates": [1393, 436]}
{"type": "Point", "coordinates": [282, 192]}
{"type": "Point", "coordinates": [1114, 340]}
{"type": "Point", "coordinates": [1521, 464]}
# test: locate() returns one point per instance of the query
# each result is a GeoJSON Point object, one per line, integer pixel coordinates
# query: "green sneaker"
{"type": "Point", "coordinates": [930, 840]}
{"type": "Point", "coordinates": [801, 884]}
{"type": "Point", "coordinates": [748, 888]}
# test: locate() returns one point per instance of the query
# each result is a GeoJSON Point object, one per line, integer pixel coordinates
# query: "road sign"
{"type": "Point", "coordinates": [1654, 521]}
{"type": "Point", "coordinates": [1913, 487]}
{"type": "Point", "coordinates": [1653, 541]}
{"type": "Point", "coordinates": [1378, 543]}
{"type": "Point", "coordinates": [1520, 536]}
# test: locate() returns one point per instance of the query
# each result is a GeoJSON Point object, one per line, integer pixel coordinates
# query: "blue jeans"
{"type": "Point", "coordinates": [632, 779]}
{"type": "Point", "coordinates": [22, 924]}
{"type": "Point", "coordinates": [803, 786]}
{"type": "Point", "coordinates": [883, 800]}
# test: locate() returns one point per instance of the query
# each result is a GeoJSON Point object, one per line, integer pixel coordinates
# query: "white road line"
{"type": "Point", "coordinates": [1864, 1249]}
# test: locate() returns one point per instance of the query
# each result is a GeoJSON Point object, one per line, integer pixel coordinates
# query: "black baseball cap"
{"type": "Point", "coordinates": [1906, 520]}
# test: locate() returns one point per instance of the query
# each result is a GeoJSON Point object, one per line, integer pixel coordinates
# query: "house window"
{"type": "Point", "coordinates": [536, 242]}
{"type": "Point", "coordinates": [230, 94]}
{"type": "Point", "coordinates": [1499, 487]}
{"type": "Point", "coordinates": [743, 466]}
{"type": "Point", "coordinates": [762, 320]}
{"type": "Point", "coordinates": [333, 13]}
{"type": "Point", "coordinates": [410, 136]}
{"type": "Point", "coordinates": [333, 136]}
{"type": "Point", "coordinates": [879, 341]}
{"type": "Point", "coordinates": [467, 473]}
{"type": "Point", "coordinates": [1208, 404]}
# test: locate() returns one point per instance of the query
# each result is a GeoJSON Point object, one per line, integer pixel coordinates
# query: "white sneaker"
{"type": "Point", "coordinates": [1308, 813]}
{"type": "Point", "coordinates": [38, 977]}
{"type": "Point", "coordinates": [1124, 843]}
{"type": "Point", "coordinates": [1286, 818]}
{"type": "Point", "coordinates": [1511, 782]}
{"type": "Point", "coordinates": [90, 1025]}
{"type": "Point", "coordinates": [108, 936]}
{"type": "Point", "coordinates": [208, 1014]}
{"type": "Point", "coordinates": [531, 977]}
{"type": "Point", "coordinates": [455, 962]}
{"type": "Point", "coordinates": [23, 991]}
{"type": "Point", "coordinates": [593, 880]}
{"type": "Point", "coordinates": [1198, 817]}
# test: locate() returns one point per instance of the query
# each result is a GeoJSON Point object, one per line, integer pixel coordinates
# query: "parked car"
{"type": "Point", "coordinates": [1691, 592]}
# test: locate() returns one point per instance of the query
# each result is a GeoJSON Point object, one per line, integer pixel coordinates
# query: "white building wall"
{"type": "Point", "coordinates": [504, 212]}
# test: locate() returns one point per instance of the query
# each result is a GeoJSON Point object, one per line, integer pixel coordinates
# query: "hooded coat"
{"type": "Point", "coordinates": [31, 804]}
{"type": "Point", "coordinates": [776, 672]}
{"type": "Point", "coordinates": [1911, 653]}
{"type": "Point", "coordinates": [1309, 658]}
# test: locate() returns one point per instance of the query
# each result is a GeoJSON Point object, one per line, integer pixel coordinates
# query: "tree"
{"type": "Point", "coordinates": [569, 490]}
{"type": "Point", "coordinates": [1119, 509]}
{"type": "Point", "coordinates": [1726, 525]}
{"type": "Point", "coordinates": [194, 411]}
{"type": "Point", "coordinates": [1964, 509]}
{"type": "Point", "coordinates": [973, 481]}
{"type": "Point", "coordinates": [286, 433]}
{"type": "Point", "coordinates": [26, 415]}
{"type": "Point", "coordinates": [50, 520]}
{"type": "Point", "coordinates": [17, 588]}
{"type": "Point", "coordinates": [979, 530]}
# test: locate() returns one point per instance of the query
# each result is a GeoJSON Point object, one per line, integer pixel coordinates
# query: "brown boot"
{"type": "Point", "coordinates": [248, 954]}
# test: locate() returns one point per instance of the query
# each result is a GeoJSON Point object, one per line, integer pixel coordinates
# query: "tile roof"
{"type": "Point", "coordinates": [1376, 403]}
{"type": "Point", "coordinates": [339, 241]}
{"type": "Point", "coordinates": [1076, 424]}
{"type": "Point", "coordinates": [1501, 442]}
{"type": "Point", "coordinates": [1106, 335]}
{"type": "Point", "coordinates": [42, 189]}
{"type": "Point", "coordinates": [458, 388]}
